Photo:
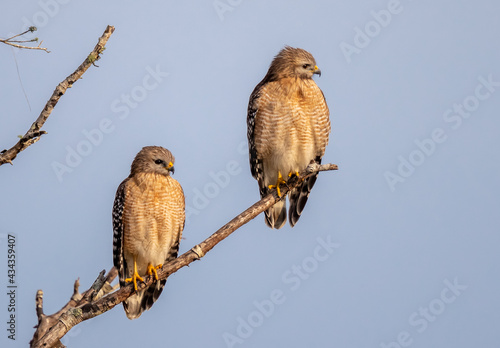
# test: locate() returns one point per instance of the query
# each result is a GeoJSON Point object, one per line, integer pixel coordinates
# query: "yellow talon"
{"type": "Point", "coordinates": [152, 270]}
{"type": "Point", "coordinates": [134, 277]}
{"type": "Point", "coordinates": [296, 173]}
{"type": "Point", "coordinates": [278, 182]}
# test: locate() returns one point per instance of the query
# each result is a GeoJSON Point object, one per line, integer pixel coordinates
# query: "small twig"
{"type": "Point", "coordinates": [34, 133]}
{"type": "Point", "coordinates": [74, 316]}
{"type": "Point", "coordinates": [46, 322]}
{"type": "Point", "coordinates": [76, 292]}
{"type": "Point", "coordinates": [22, 41]}
{"type": "Point", "coordinates": [39, 305]}
{"type": "Point", "coordinates": [12, 43]}
{"type": "Point", "coordinates": [30, 30]}
{"type": "Point", "coordinates": [90, 294]}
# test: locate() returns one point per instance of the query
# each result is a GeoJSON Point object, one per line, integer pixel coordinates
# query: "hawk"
{"type": "Point", "coordinates": [288, 127]}
{"type": "Point", "coordinates": [148, 219]}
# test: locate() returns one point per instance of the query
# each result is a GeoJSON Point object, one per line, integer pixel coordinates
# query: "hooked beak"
{"type": "Point", "coordinates": [317, 70]}
{"type": "Point", "coordinates": [170, 167]}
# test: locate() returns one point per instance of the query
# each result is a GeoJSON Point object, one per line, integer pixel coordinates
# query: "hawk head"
{"type": "Point", "coordinates": [293, 62]}
{"type": "Point", "coordinates": [153, 159]}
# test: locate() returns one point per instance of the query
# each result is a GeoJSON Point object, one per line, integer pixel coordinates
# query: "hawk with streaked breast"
{"type": "Point", "coordinates": [148, 219]}
{"type": "Point", "coordinates": [288, 127]}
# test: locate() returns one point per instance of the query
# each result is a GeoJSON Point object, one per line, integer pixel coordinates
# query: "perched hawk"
{"type": "Point", "coordinates": [288, 127]}
{"type": "Point", "coordinates": [148, 219]}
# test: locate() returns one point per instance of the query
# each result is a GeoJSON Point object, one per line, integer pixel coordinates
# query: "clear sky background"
{"type": "Point", "coordinates": [399, 248]}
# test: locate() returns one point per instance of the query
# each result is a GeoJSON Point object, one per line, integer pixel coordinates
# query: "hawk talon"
{"type": "Point", "coordinates": [278, 182]}
{"type": "Point", "coordinates": [134, 277]}
{"type": "Point", "coordinates": [152, 270]}
{"type": "Point", "coordinates": [295, 174]}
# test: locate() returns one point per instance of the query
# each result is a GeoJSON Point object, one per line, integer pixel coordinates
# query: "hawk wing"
{"type": "Point", "coordinates": [255, 161]}
{"type": "Point", "coordinates": [118, 259]}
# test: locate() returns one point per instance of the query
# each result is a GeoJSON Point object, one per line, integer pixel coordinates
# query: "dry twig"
{"type": "Point", "coordinates": [75, 313]}
{"type": "Point", "coordinates": [35, 132]}
{"type": "Point", "coordinates": [15, 43]}
{"type": "Point", "coordinates": [46, 322]}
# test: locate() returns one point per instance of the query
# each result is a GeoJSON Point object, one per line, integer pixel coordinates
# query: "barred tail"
{"type": "Point", "coordinates": [143, 300]}
{"type": "Point", "coordinates": [298, 199]}
{"type": "Point", "coordinates": [276, 215]}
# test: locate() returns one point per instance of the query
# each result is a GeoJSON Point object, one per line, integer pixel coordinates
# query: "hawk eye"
{"type": "Point", "coordinates": [159, 161]}
{"type": "Point", "coordinates": [305, 66]}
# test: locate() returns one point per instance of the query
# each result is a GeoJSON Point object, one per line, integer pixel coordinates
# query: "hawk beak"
{"type": "Point", "coordinates": [317, 70]}
{"type": "Point", "coordinates": [170, 167]}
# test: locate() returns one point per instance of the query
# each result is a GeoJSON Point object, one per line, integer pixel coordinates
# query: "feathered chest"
{"type": "Point", "coordinates": [150, 201]}
{"type": "Point", "coordinates": [291, 113]}
{"type": "Point", "coordinates": [153, 213]}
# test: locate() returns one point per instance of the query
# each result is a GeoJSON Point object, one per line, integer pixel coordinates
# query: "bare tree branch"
{"type": "Point", "coordinates": [101, 286]}
{"type": "Point", "coordinates": [35, 132]}
{"type": "Point", "coordinates": [74, 315]}
{"type": "Point", "coordinates": [15, 43]}
{"type": "Point", "coordinates": [11, 43]}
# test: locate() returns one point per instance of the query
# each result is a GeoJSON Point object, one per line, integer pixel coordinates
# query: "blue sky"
{"type": "Point", "coordinates": [399, 248]}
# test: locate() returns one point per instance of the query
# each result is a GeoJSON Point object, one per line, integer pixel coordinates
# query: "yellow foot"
{"type": "Point", "coordinates": [152, 270]}
{"type": "Point", "coordinates": [134, 278]}
{"type": "Point", "coordinates": [278, 182]}
{"type": "Point", "coordinates": [296, 173]}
